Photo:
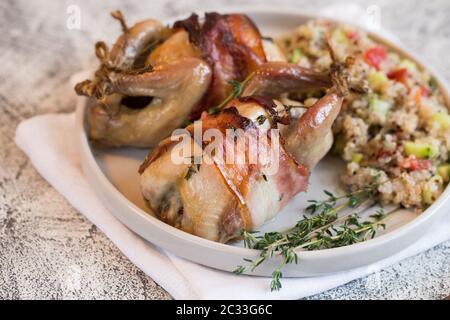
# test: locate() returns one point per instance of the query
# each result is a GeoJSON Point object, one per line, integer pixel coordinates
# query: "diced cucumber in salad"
{"type": "Point", "coordinates": [442, 119]}
{"type": "Point", "coordinates": [377, 80]}
{"type": "Point", "coordinates": [296, 56]}
{"type": "Point", "coordinates": [444, 171]}
{"type": "Point", "coordinates": [379, 106]}
{"type": "Point", "coordinates": [339, 36]}
{"type": "Point", "coordinates": [400, 125]}
{"type": "Point", "coordinates": [421, 150]}
{"type": "Point", "coordinates": [357, 157]}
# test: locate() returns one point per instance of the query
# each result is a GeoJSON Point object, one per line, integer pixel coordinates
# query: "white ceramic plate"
{"type": "Point", "coordinates": [114, 177]}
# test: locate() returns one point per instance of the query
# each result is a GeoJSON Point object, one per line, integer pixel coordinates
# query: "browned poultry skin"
{"type": "Point", "coordinates": [310, 138]}
{"type": "Point", "coordinates": [174, 48]}
{"type": "Point", "coordinates": [137, 40]}
{"type": "Point", "coordinates": [178, 78]}
{"type": "Point", "coordinates": [275, 78]}
{"type": "Point", "coordinates": [182, 82]}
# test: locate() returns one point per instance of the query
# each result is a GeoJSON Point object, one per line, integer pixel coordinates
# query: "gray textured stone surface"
{"type": "Point", "coordinates": [48, 250]}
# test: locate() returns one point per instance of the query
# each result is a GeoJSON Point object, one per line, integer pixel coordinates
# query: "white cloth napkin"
{"type": "Point", "coordinates": [49, 141]}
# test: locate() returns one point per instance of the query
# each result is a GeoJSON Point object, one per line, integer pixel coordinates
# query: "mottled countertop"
{"type": "Point", "coordinates": [47, 249]}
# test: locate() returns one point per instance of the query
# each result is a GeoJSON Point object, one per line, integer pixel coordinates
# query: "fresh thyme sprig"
{"type": "Point", "coordinates": [318, 231]}
{"type": "Point", "coordinates": [236, 90]}
{"type": "Point", "coordinates": [345, 235]}
{"type": "Point", "coordinates": [354, 198]}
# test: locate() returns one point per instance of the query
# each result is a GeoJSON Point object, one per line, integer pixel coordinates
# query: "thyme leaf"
{"type": "Point", "coordinates": [275, 284]}
{"type": "Point", "coordinates": [236, 90]}
{"type": "Point", "coordinates": [239, 270]}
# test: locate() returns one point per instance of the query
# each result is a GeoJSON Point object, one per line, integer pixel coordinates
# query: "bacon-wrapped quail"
{"type": "Point", "coordinates": [155, 78]}
{"type": "Point", "coordinates": [217, 200]}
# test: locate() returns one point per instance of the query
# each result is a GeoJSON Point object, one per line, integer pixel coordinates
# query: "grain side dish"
{"type": "Point", "coordinates": [398, 133]}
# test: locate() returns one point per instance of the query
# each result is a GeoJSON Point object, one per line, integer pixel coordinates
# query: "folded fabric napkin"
{"type": "Point", "coordinates": [49, 141]}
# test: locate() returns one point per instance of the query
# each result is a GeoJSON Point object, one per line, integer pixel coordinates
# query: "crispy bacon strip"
{"type": "Point", "coordinates": [243, 179]}
{"type": "Point", "coordinates": [220, 199]}
{"type": "Point", "coordinates": [231, 44]}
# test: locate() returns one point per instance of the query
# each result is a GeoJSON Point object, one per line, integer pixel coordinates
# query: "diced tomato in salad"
{"type": "Point", "coordinates": [400, 75]}
{"type": "Point", "coordinates": [421, 92]}
{"type": "Point", "coordinates": [418, 95]}
{"type": "Point", "coordinates": [382, 153]}
{"type": "Point", "coordinates": [375, 56]}
{"type": "Point", "coordinates": [414, 164]}
{"type": "Point", "coordinates": [425, 92]}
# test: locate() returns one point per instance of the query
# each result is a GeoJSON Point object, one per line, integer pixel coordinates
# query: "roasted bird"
{"type": "Point", "coordinates": [217, 200]}
{"type": "Point", "coordinates": [155, 78]}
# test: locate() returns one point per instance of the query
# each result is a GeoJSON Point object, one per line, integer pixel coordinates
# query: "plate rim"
{"type": "Point", "coordinates": [89, 163]}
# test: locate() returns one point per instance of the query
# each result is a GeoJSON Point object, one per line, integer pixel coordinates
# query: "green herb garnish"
{"type": "Point", "coordinates": [186, 123]}
{"type": "Point", "coordinates": [323, 228]}
{"type": "Point", "coordinates": [433, 83]}
{"type": "Point", "coordinates": [236, 90]}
